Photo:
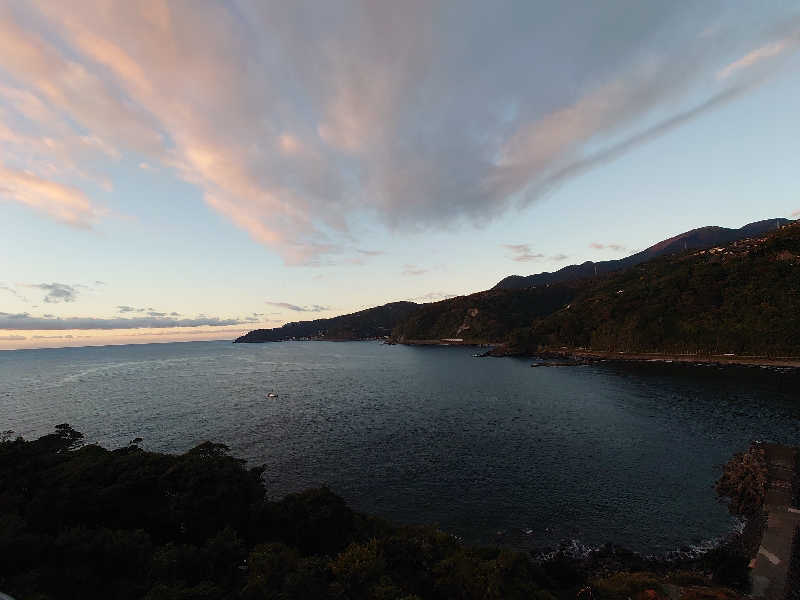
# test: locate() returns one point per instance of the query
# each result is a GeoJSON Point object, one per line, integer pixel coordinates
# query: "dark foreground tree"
{"type": "Point", "coordinates": [83, 522]}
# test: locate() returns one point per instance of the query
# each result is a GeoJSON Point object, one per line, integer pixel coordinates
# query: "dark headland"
{"type": "Point", "coordinates": [372, 323]}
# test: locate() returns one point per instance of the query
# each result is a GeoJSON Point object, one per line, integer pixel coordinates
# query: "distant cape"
{"type": "Point", "coordinates": [375, 322]}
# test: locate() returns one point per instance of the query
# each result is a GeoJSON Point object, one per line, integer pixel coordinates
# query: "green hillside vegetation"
{"type": "Point", "coordinates": [83, 522]}
{"type": "Point", "coordinates": [743, 298]}
{"type": "Point", "coordinates": [366, 324]}
{"type": "Point", "coordinates": [483, 317]}
{"type": "Point", "coordinates": [696, 239]}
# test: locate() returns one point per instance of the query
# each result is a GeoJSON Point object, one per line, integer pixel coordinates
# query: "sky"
{"type": "Point", "coordinates": [191, 170]}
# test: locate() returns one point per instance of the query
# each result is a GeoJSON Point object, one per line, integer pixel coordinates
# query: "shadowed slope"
{"type": "Point", "coordinates": [370, 323]}
{"type": "Point", "coordinates": [701, 238]}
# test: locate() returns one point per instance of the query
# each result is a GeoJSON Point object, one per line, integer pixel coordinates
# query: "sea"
{"type": "Point", "coordinates": [488, 449]}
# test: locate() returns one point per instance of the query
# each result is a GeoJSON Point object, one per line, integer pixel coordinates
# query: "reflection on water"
{"type": "Point", "coordinates": [489, 449]}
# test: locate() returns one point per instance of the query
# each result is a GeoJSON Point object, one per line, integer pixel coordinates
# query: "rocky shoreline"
{"type": "Point", "coordinates": [579, 356]}
{"type": "Point", "coordinates": [128, 523]}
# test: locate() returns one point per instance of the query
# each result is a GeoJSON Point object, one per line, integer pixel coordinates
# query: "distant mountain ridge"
{"type": "Point", "coordinates": [697, 239]}
{"type": "Point", "coordinates": [741, 298]}
{"type": "Point", "coordinates": [370, 323]}
{"type": "Point", "coordinates": [693, 291]}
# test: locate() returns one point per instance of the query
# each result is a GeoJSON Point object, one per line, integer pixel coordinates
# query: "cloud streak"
{"type": "Point", "coordinates": [61, 202]}
{"type": "Point", "coordinates": [524, 253]}
{"type": "Point", "coordinates": [614, 247]}
{"type": "Point", "coordinates": [413, 270]}
{"type": "Point", "coordinates": [123, 308]}
{"type": "Point", "coordinates": [764, 53]}
{"type": "Point", "coordinates": [26, 322]}
{"type": "Point", "coordinates": [13, 292]}
{"type": "Point", "coordinates": [314, 308]}
{"type": "Point", "coordinates": [57, 292]}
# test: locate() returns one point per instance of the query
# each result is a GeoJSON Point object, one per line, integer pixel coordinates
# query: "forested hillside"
{"type": "Point", "coordinates": [743, 298]}
{"type": "Point", "coordinates": [483, 317]}
{"type": "Point", "coordinates": [740, 298]}
{"type": "Point", "coordinates": [696, 239]}
{"type": "Point", "coordinates": [370, 323]}
{"type": "Point", "coordinates": [88, 523]}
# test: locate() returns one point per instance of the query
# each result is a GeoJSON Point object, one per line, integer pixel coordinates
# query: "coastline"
{"type": "Point", "coordinates": [445, 342]}
{"type": "Point", "coordinates": [790, 362]}
{"type": "Point", "coordinates": [577, 356]}
{"type": "Point", "coordinates": [237, 540]}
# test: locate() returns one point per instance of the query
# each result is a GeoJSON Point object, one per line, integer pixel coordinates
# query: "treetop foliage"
{"type": "Point", "coordinates": [79, 521]}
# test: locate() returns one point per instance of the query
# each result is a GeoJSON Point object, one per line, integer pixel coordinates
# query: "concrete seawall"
{"type": "Point", "coordinates": [771, 564]}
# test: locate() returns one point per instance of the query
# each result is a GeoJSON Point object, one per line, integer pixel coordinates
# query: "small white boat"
{"type": "Point", "coordinates": [272, 395]}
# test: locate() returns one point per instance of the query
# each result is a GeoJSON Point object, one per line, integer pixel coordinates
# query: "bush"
{"type": "Point", "coordinates": [87, 523]}
{"type": "Point", "coordinates": [744, 482]}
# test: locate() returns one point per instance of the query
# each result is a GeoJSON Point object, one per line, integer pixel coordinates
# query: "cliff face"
{"type": "Point", "coordinates": [701, 238]}
{"type": "Point", "coordinates": [371, 323]}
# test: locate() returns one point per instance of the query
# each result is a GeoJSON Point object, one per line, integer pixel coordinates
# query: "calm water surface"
{"type": "Point", "coordinates": [489, 449]}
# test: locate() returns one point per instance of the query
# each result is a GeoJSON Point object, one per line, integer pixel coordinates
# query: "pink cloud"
{"type": "Point", "coordinates": [63, 203]}
{"type": "Point", "coordinates": [523, 253]}
{"type": "Point", "coordinates": [413, 270]}
{"type": "Point", "coordinates": [766, 52]}
{"type": "Point", "coordinates": [614, 247]}
{"type": "Point", "coordinates": [292, 126]}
